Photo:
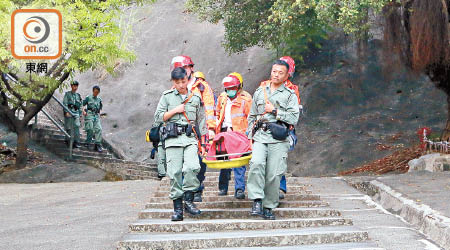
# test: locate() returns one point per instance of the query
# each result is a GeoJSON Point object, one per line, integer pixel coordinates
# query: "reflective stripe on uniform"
{"type": "Point", "coordinates": [209, 107]}
{"type": "Point", "coordinates": [237, 115]}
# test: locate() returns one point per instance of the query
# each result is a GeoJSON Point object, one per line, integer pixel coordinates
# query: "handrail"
{"type": "Point", "coordinates": [60, 128]}
{"type": "Point", "coordinates": [63, 106]}
{"type": "Point", "coordinates": [55, 122]}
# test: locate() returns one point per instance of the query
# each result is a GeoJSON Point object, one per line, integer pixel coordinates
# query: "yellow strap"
{"type": "Point", "coordinates": [147, 136]}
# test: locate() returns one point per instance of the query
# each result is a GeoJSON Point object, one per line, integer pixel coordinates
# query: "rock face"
{"type": "Point", "coordinates": [353, 112]}
{"type": "Point", "coordinates": [431, 162]}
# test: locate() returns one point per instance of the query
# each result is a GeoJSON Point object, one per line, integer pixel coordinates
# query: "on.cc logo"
{"type": "Point", "coordinates": [37, 24]}
{"type": "Point", "coordinates": [36, 34]}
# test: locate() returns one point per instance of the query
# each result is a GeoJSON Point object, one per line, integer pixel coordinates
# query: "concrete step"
{"type": "Point", "coordinates": [242, 213]}
{"type": "Point", "coordinates": [213, 181]}
{"type": "Point", "coordinates": [85, 156]}
{"type": "Point", "coordinates": [282, 237]}
{"type": "Point", "coordinates": [288, 197]}
{"type": "Point", "coordinates": [239, 204]}
{"type": "Point", "coordinates": [81, 151]}
{"type": "Point", "coordinates": [60, 137]}
{"type": "Point", "coordinates": [211, 185]}
{"type": "Point", "coordinates": [207, 193]}
{"type": "Point", "coordinates": [339, 246]}
{"type": "Point", "coordinates": [167, 226]}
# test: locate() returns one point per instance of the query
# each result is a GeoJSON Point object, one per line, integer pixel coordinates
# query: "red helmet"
{"type": "Point", "coordinates": [181, 61]}
{"type": "Point", "coordinates": [230, 81]}
{"type": "Point", "coordinates": [291, 63]}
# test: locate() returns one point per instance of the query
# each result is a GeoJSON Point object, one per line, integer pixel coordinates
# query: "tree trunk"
{"type": "Point", "coordinates": [446, 132]}
{"type": "Point", "coordinates": [22, 146]}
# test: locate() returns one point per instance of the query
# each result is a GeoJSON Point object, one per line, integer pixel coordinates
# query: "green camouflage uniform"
{"type": "Point", "coordinates": [73, 102]}
{"type": "Point", "coordinates": [269, 157]}
{"type": "Point", "coordinates": [181, 152]}
{"type": "Point", "coordinates": [92, 124]}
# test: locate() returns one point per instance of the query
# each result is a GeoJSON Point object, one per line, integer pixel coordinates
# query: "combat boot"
{"type": "Point", "coordinates": [99, 148]}
{"type": "Point", "coordinates": [257, 208]}
{"type": "Point", "coordinates": [76, 145]}
{"type": "Point", "coordinates": [177, 210]}
{"type": "Point", "coordinates": [198, 196]}
{"type": "Point", "coordinates": [268, 215]}
{"type": "Point", "coordinates": [189, 205]}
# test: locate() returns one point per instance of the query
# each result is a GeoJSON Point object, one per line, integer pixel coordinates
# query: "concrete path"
{"type": "Point", "coordinates": [420, 198]}
{"type": "Point", "coordinates": [389, 231]}
{"type": "Point", "coordinates": [82, 216]}
{"type": "Point", "coordinates": [432, 189]}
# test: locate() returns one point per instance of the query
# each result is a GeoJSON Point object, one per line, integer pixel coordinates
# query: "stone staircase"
{"type": "Point", "coordinates": [46, 133]}
{"type": "Point", "coordinates": [225, 222]}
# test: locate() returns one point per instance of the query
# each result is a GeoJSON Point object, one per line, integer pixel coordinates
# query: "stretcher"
{"type": "Point", "coordinates": [226, 162]}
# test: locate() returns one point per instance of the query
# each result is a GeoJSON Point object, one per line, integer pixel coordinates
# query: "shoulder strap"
{"type": "Point", "coordinates": [187, 99]}
{"type": "Point", "coordinates": [265, 93]}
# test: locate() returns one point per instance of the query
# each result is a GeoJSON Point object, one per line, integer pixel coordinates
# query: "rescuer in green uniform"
{"type": "Point", "coordinates": [92, 123]}
{"type": "Point", "coordinates": [274, 110]}
{"type": "Point", "coordinates": [180, 110]}
{"type": "Point", "coordinates": [72, 100]}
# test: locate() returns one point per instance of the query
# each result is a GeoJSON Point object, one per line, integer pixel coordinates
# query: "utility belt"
{"type": "Point", "coordinates": [95, 111]}
{"type": "Point", "coordinates": [73, 107]}
{"type": "Point", "coordinates": [173, 130]}
{"type": "Point", "coordinates": [279, 130]}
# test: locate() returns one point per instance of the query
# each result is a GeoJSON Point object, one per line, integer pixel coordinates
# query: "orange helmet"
{"type": "Point", "coordinates": [230, 81]}
{"type": "Point", "coordinates": [291, 63]}
{"type": "Point", "coordinates": [181, 61]}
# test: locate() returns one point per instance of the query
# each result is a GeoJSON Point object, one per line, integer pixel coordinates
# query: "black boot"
{"type": "Point", "coordinates": [239, 194]}
{"type": "Point", "coordinates": [189, 205]}
{"type": "Point", "coordinates": [257, 209]}
{"type": "Point", "coordinates": [76, 144]}
{"type": "Point", "coordinates": [223, 192]}
{"type": "Point", "coordinates": [177, 210]}
{"type": "Point", "coordinates": [99, 148]}
{"type": "Point", "coordinates": [198, 196]}
{"type": "Point", "coordinates": [268, 215]}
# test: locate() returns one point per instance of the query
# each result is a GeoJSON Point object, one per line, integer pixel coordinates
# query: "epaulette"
{"type": "Point", "coordinates": [197, 94]}
{"type": "Point", "coordinates": [264, 83]}
{"type": "Point", "coordinates": [290, 90]}
{"type": "Point", "coordinates": [168, 91]}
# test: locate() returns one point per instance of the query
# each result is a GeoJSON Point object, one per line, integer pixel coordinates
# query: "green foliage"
{"type": "Point", "coordinates": [92, 38]}
{"type": "Point", "coordinates": [287, 26]}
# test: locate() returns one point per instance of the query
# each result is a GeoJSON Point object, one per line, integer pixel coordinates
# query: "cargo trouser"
{"type": "Point", "coordinates": [93, 129]}
{"type": "Point", "coordinates": [267, 166]}
{"type": "Point", "coordinates": [161, 160]}
{"type": "Point", "coordinates": [73, 123]}
{"type": "Point", "coordinates": [182, 169]}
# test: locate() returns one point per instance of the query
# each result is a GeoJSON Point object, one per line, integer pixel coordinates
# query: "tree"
{"type": "Point", "coordinates": [92, 37]}
{"type": "Point", "coordinates": [277, 25]}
